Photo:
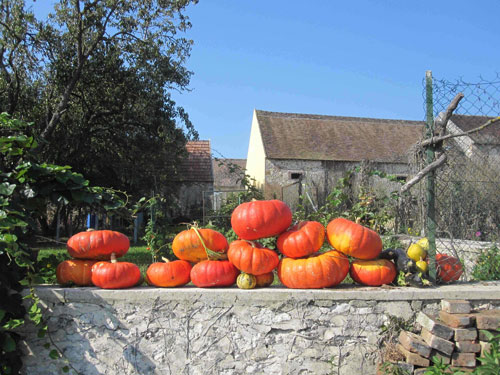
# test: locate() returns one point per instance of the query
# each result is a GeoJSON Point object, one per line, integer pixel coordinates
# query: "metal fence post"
{"type": "Point", "coordinates": [430, 222]}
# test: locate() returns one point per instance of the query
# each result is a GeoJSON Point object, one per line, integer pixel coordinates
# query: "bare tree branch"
{"type": "Point", "coordinates": [441, 122]}
{"type": "Point", "coordinates": [433, 140]}
{"type": "Point", "coordinates": [421, 174]}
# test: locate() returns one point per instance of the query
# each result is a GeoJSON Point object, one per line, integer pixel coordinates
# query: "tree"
{"type": "Point", "coordinates": [102, 100]}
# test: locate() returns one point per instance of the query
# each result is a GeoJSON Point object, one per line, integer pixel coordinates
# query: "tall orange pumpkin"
{"type": "Point", "coordinates": [317, 271]}
{"type": "Point", "coordinates": [260, 219]}
{"type": "Point", "coordinates": [251, 257]}
{"type": "Point", "coordinates": [304, 238]}
{"type": "Point", "coordinates": [193, 244]}
{"type": "Point", "coordinates": [353, 239]}
{"type": "Point", "coordinates": [97, 244]}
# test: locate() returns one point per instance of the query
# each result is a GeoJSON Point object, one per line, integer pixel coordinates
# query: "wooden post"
{"type": "Point", "coordinates": [430, 223]}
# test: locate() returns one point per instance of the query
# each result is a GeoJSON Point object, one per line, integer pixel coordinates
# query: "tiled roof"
{"type": "Point", "coordinates": [197, 167]}
{"type": "Point", "coordinates": [489, 135]}
{"type": "Point", "coordinates": [318, 137]}
{"type": "Point", "coordinates": [228, 172]}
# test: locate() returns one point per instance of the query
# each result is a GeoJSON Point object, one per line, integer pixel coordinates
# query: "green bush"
{"type": "Point", "coordinates": [487, 265]}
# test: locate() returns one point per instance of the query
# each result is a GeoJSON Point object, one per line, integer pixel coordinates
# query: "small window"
{"type": "Point", "coordinates": [295, 175]}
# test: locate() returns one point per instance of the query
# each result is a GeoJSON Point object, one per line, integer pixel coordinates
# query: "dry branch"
{"type": "Point", "coordinates": [441, 122]}
{"type": "Point", "coordinates": [435, 164]}
{"type": "Point", "coordinates": [434, 140]}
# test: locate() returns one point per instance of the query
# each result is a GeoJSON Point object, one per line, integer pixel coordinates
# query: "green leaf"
{"type": "Point", "coordinates": [9, 345]}
{"type": "Point", "coordinates": [65, 369]}
{"type": "Point", "coordinates": [6, 188]}
{"type": "Point", "coordinates": [2, 314]}
{"type": "Point", "coordinates": [13, 323]}
{"type": "Point", "coordinates": [54, 354]}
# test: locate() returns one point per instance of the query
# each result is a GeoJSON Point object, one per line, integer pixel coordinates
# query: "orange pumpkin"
{"type": "Point", "coordinates": [169, 274]}
{"type": "Point", "coordinates": [76, 271]}
{"type": "Point", "coordinates": [250, 257]}
{"type": "Point", "coordinates": [260, 219]}
{"type": "Point", "coordinates": [302, 239]}
{"type": "Point", "coordinates": [373, 272]}
{"type": "Point", "coordinates": [353, 239]}
{"type": "Point", "coordinates": [214, 273]}
{"type": "Point", "coordinates": [97, 244]}
{"type": "Point", "coordinates": [193, 244]}
{"type": "Point", "coordinates": [264, 280]}
{"type": "Point", "coordinates": [317, 271]}
{"type": "Point", "coordinates": [115, 275]}
{"type": "Point", "coordinates": [448, 268]}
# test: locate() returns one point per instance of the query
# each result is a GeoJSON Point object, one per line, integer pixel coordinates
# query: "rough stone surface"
{"type": "Point", "coordinates": [467, 347]}
{"type": "Point", "coordinates": [456, 320]}
{"type": "Point", "coordinates": [456, 306]}
{"type": "Point", "coordinates": [413, 358]}
{"type": "Point", "coordinates": [465, 334]}
{"type": "Point", "coordinates": [445, 358]}
{"type": "Point", "coordinates": [437, 343]}
{"type": "Point", "coordinates": [463, 359]}
{"type": "Point", "coordinates": [488, 320]}
{"type": "Point", "coordinates": [414, 343]}
{"type": "Point", "coordinates": [189, 330]}
{"type": "Point", "coordinates": [434, 326]}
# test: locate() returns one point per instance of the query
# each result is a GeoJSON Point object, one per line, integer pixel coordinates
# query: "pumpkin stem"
{"type": "Point", "coordinates": [165, 259]}
{"type": "Point", "coordinates": [211, 255]}
{"type": "Point", "coordinates": [113, 258]}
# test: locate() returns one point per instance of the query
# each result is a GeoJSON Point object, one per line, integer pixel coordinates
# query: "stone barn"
{"type": "Point", "coordinates": [291, 154]}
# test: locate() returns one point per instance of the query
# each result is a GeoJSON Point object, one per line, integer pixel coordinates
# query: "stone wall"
{"type": "Point", "coordinates": [229, 331]}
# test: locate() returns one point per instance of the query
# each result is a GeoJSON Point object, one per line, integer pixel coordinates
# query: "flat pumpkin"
{"type": "Point", "coordinates": [75, 271]}
{"type": "Point", "coordinates": [353, 239]}
{"type": "Point", "coordinates": [260, 219]}
{"type": "Point", "coordinates": [303, 239]}
{"type": "Point", "coordinates": [98, 244]}
{"type": "Point", "coordinates": [373, 272]}
{"type": "Point", "coordinates": [115, 275]}
{"type": "Point", "coordinates": [169, 274]}
{"type": "Point", "coordinates": [264, 280]}
{"type": "Point", "coordinates": [314, 272]}
{"type": "Point", "coordinates": [214, 273]}
{"type": "Point", "coordinates": [250, 257]}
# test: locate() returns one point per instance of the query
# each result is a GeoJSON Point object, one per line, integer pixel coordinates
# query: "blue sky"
{"type": "Point", "coordinates": [361, 58]}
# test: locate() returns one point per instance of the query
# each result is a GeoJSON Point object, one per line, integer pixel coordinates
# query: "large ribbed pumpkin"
{"type": "Point", "coordinates": [260, 219]}
{"type": "Point", "coordinates": [353, 239]}
{"type": "Point", "coordinates": [304, 238]}
{"type": "Point", "coordinates": [373, 272]}
{"type": "Point", "coordinates": [214, 273]}
{"type": "Point", "coordinates": [188, 244]}
{"type": "Point", "coordinates": [251, 257]}
{"type": "Point", "coordinates": [317, 271]}
{"type": "Point", "coordinates": [169, 274]}
{"type": "Point", "coordinates": [115, 275]}
{"type": "Point", "coordinates": [97, 244]}
{"type": "Point", "coordinates": [75, 271]}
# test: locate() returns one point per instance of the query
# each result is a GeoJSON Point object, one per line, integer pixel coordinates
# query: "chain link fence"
{"type": "Point", "coordinates": [458, 204]}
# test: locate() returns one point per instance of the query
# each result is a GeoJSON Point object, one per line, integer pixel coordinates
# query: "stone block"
{"type": "Point", "coordinates": [413, 358]}
{"type": "Point", "coordinates": [456, 320]}
{"type": "Point", "coordinates": [434, 326]}
{"type": "Point", "coordinates": [485, 347]}
{"type": "Point", "coordinates": [489, 319]}
{"type": "Point", "coordinates": [438, 343]}
{"type": "Point", "coordinates": [420, 371]}
{"type": "Point", "coordinates": [414, 343]}
{"type": "Point", "coordinates": [456, 306]}
{"type": "Point", "coordinates": [467, 347]}
{"type": "Point", "coordinates": [463, 359]}
{"type": "Point", "coordinates": [465, 334]}
{"type": "Point", "coordinates": [482, 336]}
{"type": "Point", "coordinates": [445, 358]}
